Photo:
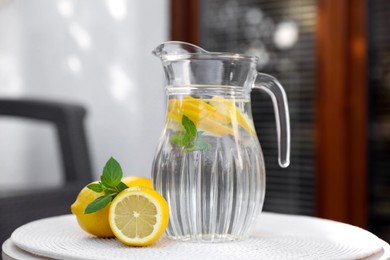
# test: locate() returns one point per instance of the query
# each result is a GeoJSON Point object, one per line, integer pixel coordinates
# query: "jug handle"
{"type": "Point", "coordinates": [275, 90]}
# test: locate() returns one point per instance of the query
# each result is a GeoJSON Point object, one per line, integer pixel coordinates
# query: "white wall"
{"type": "Point", "coordinates": [93, 52]}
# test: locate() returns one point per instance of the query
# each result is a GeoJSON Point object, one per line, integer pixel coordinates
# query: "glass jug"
{"type": "Point", "coordinates": [209, 164]}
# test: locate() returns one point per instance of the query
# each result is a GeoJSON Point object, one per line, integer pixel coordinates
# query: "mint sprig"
{"type": "Point", "coordinates": [189, 126]}
{"type": "Point", "coordinates": [190, 139]}
{"type": "Point", "coordinates": [110, 184]}
{"type": "Point", "coordinates": [112, 173]}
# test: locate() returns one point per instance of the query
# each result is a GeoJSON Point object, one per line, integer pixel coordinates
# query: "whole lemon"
{"type": "Point", "coordinates": [132, 181]}
{"type": "Point", "coordinates": [97, 223]}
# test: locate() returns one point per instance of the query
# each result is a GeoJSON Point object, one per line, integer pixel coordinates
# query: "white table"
{"type": "Point", "coordinates": [276, 236]}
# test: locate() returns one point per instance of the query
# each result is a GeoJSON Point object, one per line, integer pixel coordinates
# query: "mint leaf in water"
{"type": "Point", "coordinates": [180, 138]}
{"type": "Point", "coordinates": [190, 139]}
{"type": "Point", "coordinates": [201, 144]}
{"type": "Point", "coordinates": [112, 173]}
{"type": "Point", "coordinates": [99, 203]}
{"type": "Point", "coordinates": [199, 133]}
{"type": "Point", "coordinates": [189, 126]}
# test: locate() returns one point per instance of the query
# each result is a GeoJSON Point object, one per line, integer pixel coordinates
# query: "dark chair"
{"type": "Point", "coordinates": [23, 206]}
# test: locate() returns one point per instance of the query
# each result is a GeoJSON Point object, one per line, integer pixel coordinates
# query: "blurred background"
{"type": "Point", "coordinates": [94, 53]}
{"type": "Point", "coordinates": [331, 56]}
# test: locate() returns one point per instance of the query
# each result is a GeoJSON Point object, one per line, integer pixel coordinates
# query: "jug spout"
{"type": "Point", "coordinates": [176, 48]}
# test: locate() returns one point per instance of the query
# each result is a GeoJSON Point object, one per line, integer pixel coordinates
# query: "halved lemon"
{"type": "Point", "coordinates": [138, 216]}
{"type": "Point", "coordinates": [97, 223]}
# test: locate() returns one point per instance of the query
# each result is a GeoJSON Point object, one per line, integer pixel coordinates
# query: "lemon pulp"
{"type": "Point", "coordinates": [138, 216]}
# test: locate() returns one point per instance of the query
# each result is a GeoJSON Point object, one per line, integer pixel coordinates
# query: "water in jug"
{"type": "Point", "coordinates": [209, 164]}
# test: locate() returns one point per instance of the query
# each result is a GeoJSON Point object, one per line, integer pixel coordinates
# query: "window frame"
{"type": "Point", "coordinates": [340, 105]}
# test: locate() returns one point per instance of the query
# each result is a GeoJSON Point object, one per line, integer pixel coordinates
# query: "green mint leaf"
{"type": "Point", "coordinates": [112, 173]}
{"type": "Point", "coordinates": [121, 186]}
{"type": "Point", "coordinates": [110, 191]}
{"type": "Point", "coordinates": [180, 138]}
{"type": "Point", "coordinates": [96, 187]}
{"type": "Point", "coordinates": [202, 144]}
{"type": "Point", "coordinates": [189, 126]}
{"type": "Point", "coordinates": [199, 133]}
{"type": "Point", "coordinates": [98, 203]}
{"type": "Point", "coordinates": [199, 145]}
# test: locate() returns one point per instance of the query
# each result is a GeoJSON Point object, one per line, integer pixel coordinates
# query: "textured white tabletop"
{"type": "Point", "coordinates": [276, 236]}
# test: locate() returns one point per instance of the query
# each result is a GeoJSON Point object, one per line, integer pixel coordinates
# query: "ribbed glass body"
{"type": "Point", "coordinates": [209, 164]}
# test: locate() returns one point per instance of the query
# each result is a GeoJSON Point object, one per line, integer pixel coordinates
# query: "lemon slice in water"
{"type": "Point", "coordinates": [204, 116]}
{"type": "Point", "coordinates": [228, 107]}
